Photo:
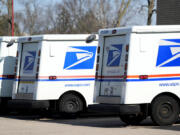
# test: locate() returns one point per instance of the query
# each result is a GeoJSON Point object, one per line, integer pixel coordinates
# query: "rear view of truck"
{"type": "Point", "coordinates": [138, 73]}
{"type": "Point", "coordinates": [55, 72]}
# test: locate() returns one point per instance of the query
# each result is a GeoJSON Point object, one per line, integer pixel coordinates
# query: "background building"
{"type": "Point", "coordinates": [168, 12]}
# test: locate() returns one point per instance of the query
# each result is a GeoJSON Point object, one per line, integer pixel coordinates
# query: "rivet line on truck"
{"type": "Point", "coordinates": [55, 72]}
{"type": "Point", "coordinates": [139, 73]}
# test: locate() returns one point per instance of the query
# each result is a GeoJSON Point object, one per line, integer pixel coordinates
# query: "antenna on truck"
{"type": "Point", "coordinates": [90, 38]}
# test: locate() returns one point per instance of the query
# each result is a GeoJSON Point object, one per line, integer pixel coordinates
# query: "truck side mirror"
{"type": "Point", "coordinates": [90, 38]}
{"type": "Point", "coordinates": [10, 43]}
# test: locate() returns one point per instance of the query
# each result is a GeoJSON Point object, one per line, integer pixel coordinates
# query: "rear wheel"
{"type": "Point", "coordinates": [132, 119]}
{"type": "Point", "coordinates": [70, 105]}
{"type": "Point", "coordinates": [164, 110]}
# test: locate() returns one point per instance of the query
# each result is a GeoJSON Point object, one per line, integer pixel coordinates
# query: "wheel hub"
{"type": "Point", "coordinates": [166, 110]}
{"type": "Point", "coordinates": [72, 106]}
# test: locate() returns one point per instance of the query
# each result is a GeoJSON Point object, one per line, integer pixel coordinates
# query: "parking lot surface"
{"type": "Point", "coordinates": [34, 125]}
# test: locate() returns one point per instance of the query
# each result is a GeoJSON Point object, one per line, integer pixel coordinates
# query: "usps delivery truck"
{"type": "Point", "coordinates": [55, 72]}
{"type": "Point", "coordinates": [139, 73]}
{"type": "Point", "coordinates": [7, 64]}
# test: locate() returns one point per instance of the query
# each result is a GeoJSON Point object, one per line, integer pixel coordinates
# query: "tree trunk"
{"type": "Point", "coordinates": [122, 11]}
{"type": "Point", "coordinates": [150, 11]}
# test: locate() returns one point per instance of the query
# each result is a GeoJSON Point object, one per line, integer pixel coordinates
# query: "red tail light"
{"type": "Point", "coordinates": [98, 50]}
{"type": "Point", "coordinates": [15, 69]}
{"type": "Point", "coordinates": [39, 53]}
{"type": "Point", "coordinates": [143, 77]}
{"type": "Point", "coordinates": [127, 48]}
{"type": "Point", "coordinates": [52, 77]}
{"type": "Point", "coordinates": [10, 76]}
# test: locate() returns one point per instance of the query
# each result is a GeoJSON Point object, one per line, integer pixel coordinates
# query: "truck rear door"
{"type": "Point", "coordinates": [28, 68]}
{"type": "Point", "coordinates": [113, 66]}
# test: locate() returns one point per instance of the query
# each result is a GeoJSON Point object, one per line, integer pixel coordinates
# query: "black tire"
{"type": "Point", "coordinates": [70, 105]}
{"type": "Point", "coordinates": [164, 110]}
{"type": "Point", "coordinates": [132, 119]}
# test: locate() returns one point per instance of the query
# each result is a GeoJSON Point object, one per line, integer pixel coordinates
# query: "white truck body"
{"type": "Point", "coordinates": [153, 51]}
{"type": "Point", "coordinates": [51, 65]}
{"type": "Point", "coordinates": [7, 65]}
{"type": "Point", "coordinates": [138, 64]}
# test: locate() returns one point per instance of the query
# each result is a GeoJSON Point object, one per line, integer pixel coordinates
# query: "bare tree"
{"type": "Point", "coordinates": [75, 16]}
{"type": "Point", "coordinates": [31, 18]}
{"type": "Point", "coordinates": [151, 10]}
{"type": "Point", "coordinates": [64, 22]}
{"type": "Point", "coordinates": [7, 4]}
{"type": "Point", "coordinates": [122, 11]}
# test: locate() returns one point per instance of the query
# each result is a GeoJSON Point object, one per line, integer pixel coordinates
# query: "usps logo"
{"type": "Point", "coordinates": [29, 61]}
{"type": "Point", "coordinates": [80, 57]}
{"type": "Point", "coordinates": [169, 53]}
{"type": "Point", "coordinates": [114, 55]}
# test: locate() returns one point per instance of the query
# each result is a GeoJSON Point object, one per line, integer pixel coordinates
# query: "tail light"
{"type": "Point", "coordinates": [15, 69]}
{"type": "Point", "coordinates": [10, 76]}
{"type": "Point", "coordinates": [52, 77]}
{"type": "Point", "coordinates": [143, 77]}
{"type": "Point", "coordinates": [127, 48]}
{"type": "Point", "coordinates": [98, 50]}
{"type": "Point", "coordinates": [39, 53]}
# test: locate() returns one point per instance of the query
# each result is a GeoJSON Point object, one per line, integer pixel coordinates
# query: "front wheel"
{"type": "Point", "coordinates": [164, 110]}
{"type": "Point", "coordinates": [70, 105]}
{"type": "Point", "coordinates": [132, 119]}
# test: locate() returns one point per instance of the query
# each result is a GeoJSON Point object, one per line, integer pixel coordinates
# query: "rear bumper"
{"type": "Point", "coordinates": [121, 109]}
{"type": "Point", "coordinates": [28, 104]}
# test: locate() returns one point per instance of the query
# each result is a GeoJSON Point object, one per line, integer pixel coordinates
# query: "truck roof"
{"type": "Point", "coordinates": [141, 29]}
{"type": "Point", "coordinates": [54, 37]}
{"type": "Point", "coordinates": [7, 38]}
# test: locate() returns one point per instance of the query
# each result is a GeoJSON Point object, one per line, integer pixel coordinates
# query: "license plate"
{"type": "Point", "coordinates": [30, 82]}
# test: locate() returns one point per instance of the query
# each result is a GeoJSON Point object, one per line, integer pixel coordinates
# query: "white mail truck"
{"type": "Point", "coordinates": [7, 64]}
{"type": "Point", "coordinates": [55, 72]}
{"type": "Point", "coordinates": [138, 73]}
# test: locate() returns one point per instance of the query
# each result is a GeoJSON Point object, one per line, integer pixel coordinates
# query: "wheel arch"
{"type": "Point", "coordinates": [167, 94]}
{"type": "Point", "coordinates": [75, 93]}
